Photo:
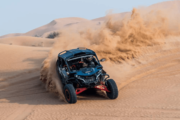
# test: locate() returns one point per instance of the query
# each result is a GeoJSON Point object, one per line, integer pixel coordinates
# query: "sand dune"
{"type": "Point", "coordinates": [143, 56]}
{"type": "Point", "coordinates": [28, 41]}
{"type": "Point", "coordinates": [11, 35]}
{"type": "Point", "coordinates": [55, 25]}
{"type": "Point", "coordinates": [77, 27]}
{"type": "Point", "coordinates": [58, 25]}
{"type": "Point", "coordinates": [18, 59]}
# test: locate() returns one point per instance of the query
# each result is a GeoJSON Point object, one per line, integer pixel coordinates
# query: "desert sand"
{"type": "Point", "coordinates": [142, 48]}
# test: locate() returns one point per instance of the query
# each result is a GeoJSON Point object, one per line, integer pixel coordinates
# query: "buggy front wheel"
{"type": "Point", "coordinates": [112, 87]}
{"type": "Point", "coordinates": [70, 93]}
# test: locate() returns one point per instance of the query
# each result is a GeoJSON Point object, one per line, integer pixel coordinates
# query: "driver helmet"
{"type": "Point", "coordinates": [89, 59]}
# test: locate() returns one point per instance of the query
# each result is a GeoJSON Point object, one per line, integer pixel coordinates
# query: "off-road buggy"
{"type": "Point", "coordinates": [79, 69]}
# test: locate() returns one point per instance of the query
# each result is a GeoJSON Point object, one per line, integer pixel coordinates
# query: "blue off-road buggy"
{"type": "Point", "coordinates": [79, 69]}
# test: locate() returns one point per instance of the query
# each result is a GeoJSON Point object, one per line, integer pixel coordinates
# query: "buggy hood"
{"type": "Point", "coordinates": [88, 71]}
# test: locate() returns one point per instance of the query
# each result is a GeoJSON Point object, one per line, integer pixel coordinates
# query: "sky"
{"type": "Point", "coordinates": [21, 16]}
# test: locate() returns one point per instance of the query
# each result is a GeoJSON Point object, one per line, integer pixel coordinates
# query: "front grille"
{"type": "Point", "coordinates": [90, 78]}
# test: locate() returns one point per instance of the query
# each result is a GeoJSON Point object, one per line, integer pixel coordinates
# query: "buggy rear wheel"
{"type": "Point", "coordinates": [70, 93]}
{"type": "Point", "coordinates": [112, 87]}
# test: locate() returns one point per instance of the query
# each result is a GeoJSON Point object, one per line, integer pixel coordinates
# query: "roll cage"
{"type": "Point", "coordinates": [65, 56]}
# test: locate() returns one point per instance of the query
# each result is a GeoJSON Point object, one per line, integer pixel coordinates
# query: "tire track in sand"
{"type": "Point", "coordinates": [137, 77]}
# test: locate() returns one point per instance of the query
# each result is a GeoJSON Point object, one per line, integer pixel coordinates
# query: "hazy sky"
{"type": "Point", "coordinates": [20, 16]}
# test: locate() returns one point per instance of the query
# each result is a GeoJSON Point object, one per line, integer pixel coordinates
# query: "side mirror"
{"type": "Point", "coordinates": [102, 60]}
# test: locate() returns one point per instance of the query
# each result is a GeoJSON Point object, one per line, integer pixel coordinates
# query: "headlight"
{"type": "Point", "coordinates": [78, 77]}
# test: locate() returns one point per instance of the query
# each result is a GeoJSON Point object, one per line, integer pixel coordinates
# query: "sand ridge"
{"type": "Point", "coordinates": [28, 41]}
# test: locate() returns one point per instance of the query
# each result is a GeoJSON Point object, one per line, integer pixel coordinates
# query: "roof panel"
{"type": "Point", "coordinates": [73, 52]}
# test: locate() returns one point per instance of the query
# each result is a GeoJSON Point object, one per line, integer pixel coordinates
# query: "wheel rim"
{"type": "Point", "coordinates": [67, 94]}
